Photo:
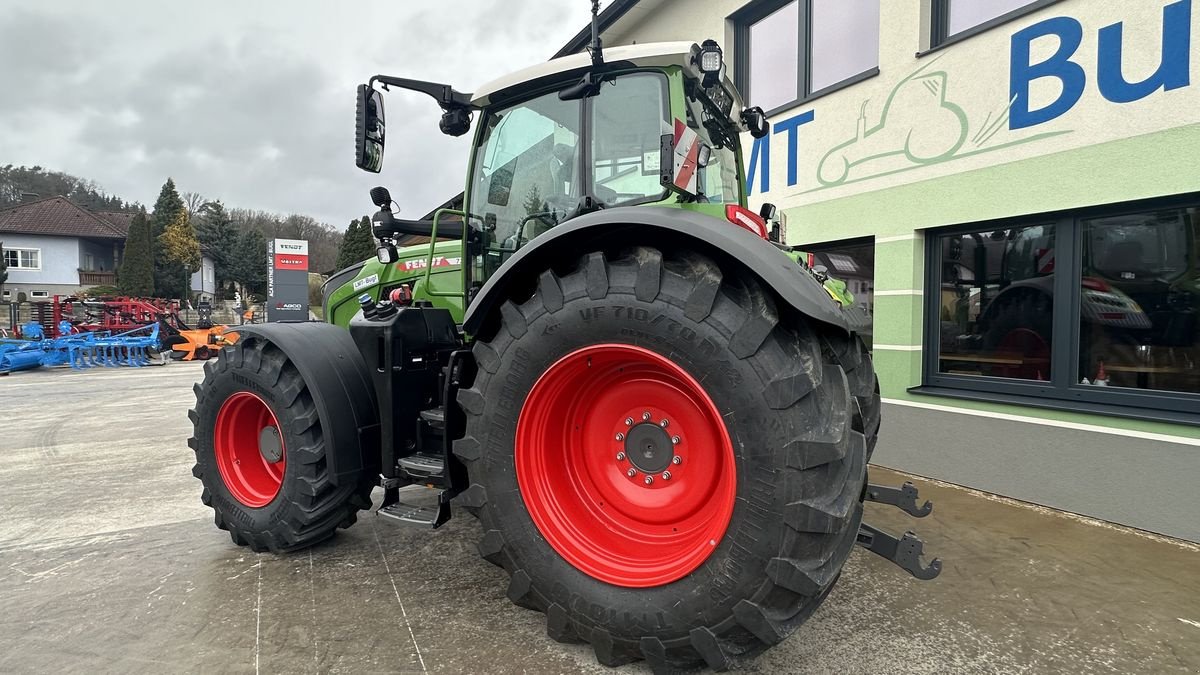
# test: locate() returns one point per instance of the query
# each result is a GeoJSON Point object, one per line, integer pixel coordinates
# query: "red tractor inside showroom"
{"type": "Point", "coordinates": [660, 416]}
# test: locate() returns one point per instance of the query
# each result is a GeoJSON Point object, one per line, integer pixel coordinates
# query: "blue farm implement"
{"type": "Point", "coordinates": [137, 347]}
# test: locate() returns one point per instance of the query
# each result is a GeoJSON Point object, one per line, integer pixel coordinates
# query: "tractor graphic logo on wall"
{"type": "Point", "coordinates": [918, 125]}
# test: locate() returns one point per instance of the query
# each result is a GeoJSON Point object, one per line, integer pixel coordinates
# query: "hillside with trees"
{"type": "Point", "coordinates": [164, 244]}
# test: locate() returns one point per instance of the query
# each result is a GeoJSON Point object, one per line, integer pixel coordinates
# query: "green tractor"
{"type": "Point", "coordinates": [660, 418]}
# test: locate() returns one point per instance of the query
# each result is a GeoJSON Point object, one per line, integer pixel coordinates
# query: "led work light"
{"type": "Point", "coordinates": [710, 61]}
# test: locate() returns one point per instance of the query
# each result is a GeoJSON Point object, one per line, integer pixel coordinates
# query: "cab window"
{"type": "Point", "coordinates": [628, 120]}
{"type": "Point", "coordinates": [526, 177]}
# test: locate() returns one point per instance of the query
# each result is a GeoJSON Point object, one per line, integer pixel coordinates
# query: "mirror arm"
{"type": "Point", "coordinates": [444, 94]}
{"type": "Point", "coordinates": [385, 225]}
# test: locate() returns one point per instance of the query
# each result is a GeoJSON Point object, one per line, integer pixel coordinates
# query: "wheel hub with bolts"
{"type": "Point", "coordinates": [646, 449]}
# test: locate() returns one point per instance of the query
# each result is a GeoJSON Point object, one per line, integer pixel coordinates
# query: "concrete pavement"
{"type": "Point", "coordinates": [108, 562]}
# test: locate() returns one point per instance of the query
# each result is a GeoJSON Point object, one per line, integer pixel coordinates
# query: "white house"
{"type": "Point", "coordinates": [53, 247]}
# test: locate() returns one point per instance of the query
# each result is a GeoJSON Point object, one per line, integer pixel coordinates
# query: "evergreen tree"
{"type": "Point", "coordinates": [533, 201]}
{"type": "Point", "coordinates": [250, 263]}
{"type": "Point", "coordinates": [344, 247]}
{"type": "Point", "coordinates": [219, 235]}
{"type": "Point", "coordinates": [167, 209]}
{"type": "Point", "coordinates": [357, 245]}
{"type": "Point", "coordinates": [181, 251]}
{"type": "Point", "coordinates": [136, 276]}
{"type": "Point", "coordinates": [3, 267]}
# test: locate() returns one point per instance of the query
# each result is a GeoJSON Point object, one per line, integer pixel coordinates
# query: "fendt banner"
{"type": "Point", "coordinates": [287, 280]}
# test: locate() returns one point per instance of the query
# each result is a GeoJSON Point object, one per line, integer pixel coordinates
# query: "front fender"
{"type": "Point", "coordinates": [668, 229]}
{"type": "Point", "coordinates": [332, 367]}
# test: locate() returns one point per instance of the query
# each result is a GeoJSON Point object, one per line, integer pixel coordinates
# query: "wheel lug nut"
{"type": "Point", "coordinates": [666, 475]}
{"type": "Point", "coordinates": [620, 436]}
{"type": "Point", "coordinates": [631, 472]}
{"type": "Point", "coordinates": [663, 424]}
{"type": "Point", "coordinates": [675, 440]}
{"type": "Point", "coordinates": [677, 460]}
{"type": "Point", "coordinates": [646, 416]}
{"type": "Point", "coordinates": [620, 456]}
{"type": "Point", "coordinates": [649, 480]}
{"type": "Point", "coordinates": [628, 421]}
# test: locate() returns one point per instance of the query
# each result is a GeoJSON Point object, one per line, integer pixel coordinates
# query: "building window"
{"type": "Point", "coordinates": [960, 18]}
{"type": "Point", "coordinates": [850, 267]}
{"type": "Point", "coordinates": [23, 258]}
{"type": "Point", "coordinates": [39, 294]}
{"type": "Point", "coordinates": [789, 51]}
{"type": "Point", "coordinates": [1099, 306]}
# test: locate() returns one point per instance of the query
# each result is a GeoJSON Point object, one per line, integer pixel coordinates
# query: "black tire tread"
{"type": "Point", "coordinates": [826, 465]}
{"type": "Point", "coordinates": [316, 507]}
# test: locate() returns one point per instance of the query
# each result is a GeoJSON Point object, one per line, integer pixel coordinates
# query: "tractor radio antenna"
{"type": "Point", "coordinates": [597, 46]}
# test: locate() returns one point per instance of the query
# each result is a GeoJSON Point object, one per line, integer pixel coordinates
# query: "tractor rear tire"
{"type": "Point", "coordinates": [852, 354]}
{"type": "Point", "coordinates": [261, 445]}
{"type": "Point", "coordinates": [764, 443]}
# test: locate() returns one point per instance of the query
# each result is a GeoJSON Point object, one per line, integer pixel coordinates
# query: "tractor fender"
{"type": "Point", "coordinates": [338, 380]}
{"type": "Point", "coordinates": [668, 228]}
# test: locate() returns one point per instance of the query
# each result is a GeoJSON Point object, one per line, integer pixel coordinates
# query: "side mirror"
{"type": "Point", "coordinates": [756, 122]}
{"type": "Point", "coordinates": [368, 130]}
{"type": "Point", "coordinates": [768, 212]}
{"type": "Point", "coordinates": [500, 186]}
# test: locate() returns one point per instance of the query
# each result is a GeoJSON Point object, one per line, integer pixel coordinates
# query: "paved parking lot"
{"type": "Point", "coordinates": [108, 562]}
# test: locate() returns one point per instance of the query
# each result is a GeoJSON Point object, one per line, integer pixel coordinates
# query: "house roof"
{"type": "Point", "coordinates": [118, 219]}
{"type": "Point", "coordinates": [57, 216]}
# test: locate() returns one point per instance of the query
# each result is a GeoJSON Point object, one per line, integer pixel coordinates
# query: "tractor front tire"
{"type": "Point", "coordinates": [261, 445]}
{"type": "Point", "coordinates": [667, 466]}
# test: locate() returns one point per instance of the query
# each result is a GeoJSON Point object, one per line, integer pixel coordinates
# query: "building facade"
{"type": "Point", "coordinates": [53, 247]}
{"type": "Point", "coordinates": [1012, 184]}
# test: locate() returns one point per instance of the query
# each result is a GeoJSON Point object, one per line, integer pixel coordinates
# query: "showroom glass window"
{"type": "Point", "coordinates": [957, 18]}
{"type": "Point", "coordinates": [852, 263]}
{"type": "Point", "coordinates": [994, 302]}
{"type": "Point", "coordinates": [790, 51]}
{"type": "Point", "coordinates": [1101, 306]}
{"type": "Point", "coordinates": [1140, 296]}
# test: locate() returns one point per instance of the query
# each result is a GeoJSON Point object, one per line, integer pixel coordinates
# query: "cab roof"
{"type": "Point", "coordinates": [648, 55]}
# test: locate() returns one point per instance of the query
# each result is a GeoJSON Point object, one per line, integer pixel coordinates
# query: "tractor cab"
{"type": "Point", "coordinates": [654, 124]}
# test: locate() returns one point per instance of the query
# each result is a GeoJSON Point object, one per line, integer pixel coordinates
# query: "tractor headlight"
{"type": "Point", "coordinates": [710, 61]}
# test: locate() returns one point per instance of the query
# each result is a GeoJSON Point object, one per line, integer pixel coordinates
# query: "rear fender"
{"type": "Point", "coordinates": [668, 229]}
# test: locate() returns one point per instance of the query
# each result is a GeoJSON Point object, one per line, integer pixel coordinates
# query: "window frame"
{"type": "Point", "coordinates": [1063, 390]}
{"type": "Point", "coordinates": [761, 9]}
{"type": "Point", "coordinates": [939, 23]}
{"type": "Point", "coordinates": [20, 268]}
{"type": "Point", "coordinates": [35, 294]}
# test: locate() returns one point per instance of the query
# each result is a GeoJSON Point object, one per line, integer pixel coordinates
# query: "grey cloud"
{"type": "Point", "coordinates": [253, 103]}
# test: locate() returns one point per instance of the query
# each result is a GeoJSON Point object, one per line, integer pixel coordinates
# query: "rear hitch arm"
{"type": "Point", "coordinates": [905, 551]}
{"type": "Point", "coordinates": [903, 498]}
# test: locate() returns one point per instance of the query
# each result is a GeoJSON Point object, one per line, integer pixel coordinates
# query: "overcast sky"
{"type": "Point", "coordinates": [253, 102]}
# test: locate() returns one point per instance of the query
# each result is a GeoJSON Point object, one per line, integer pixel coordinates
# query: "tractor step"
{"type": "Point", "coordinates": [420, 466]}
{"type": "Point", "coordinates": [434, 417]}
{"type": "Point", "coordinates": [432, 516]}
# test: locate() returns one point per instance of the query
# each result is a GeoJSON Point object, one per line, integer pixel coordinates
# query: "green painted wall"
{"type": "Point", "coordinates": [1158, 164]}
{"type": "Point", "coordinates": [1161, 163]}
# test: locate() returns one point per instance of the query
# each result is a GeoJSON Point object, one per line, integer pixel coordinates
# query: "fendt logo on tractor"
{"type": "Point", "coordinates": [542, 371]}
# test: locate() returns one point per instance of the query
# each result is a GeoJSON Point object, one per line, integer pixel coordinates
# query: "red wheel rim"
{"type": "Point", "coordinates": [244, 449]}
{"type": "Point", "coordinates": [590, 434]}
